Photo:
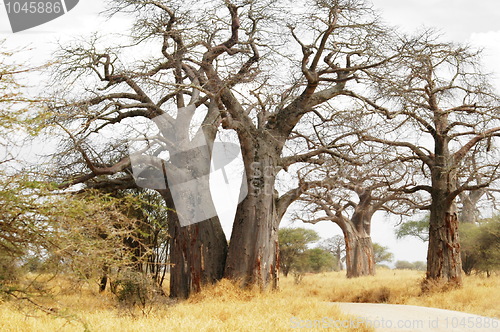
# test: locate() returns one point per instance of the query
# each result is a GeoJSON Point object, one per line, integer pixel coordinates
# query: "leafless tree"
{"type": "Point", "coordinates": [124, 96]}
{"type": "Point", "coordinates": [350, 195]}
{"type": "Point", "coordinates": [439, 111]}
{"type": "Point", "coordinates": [336, 40]}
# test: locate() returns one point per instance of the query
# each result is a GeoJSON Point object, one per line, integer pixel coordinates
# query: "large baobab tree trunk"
{"type": "Point", "coordinates": [360, 260]}
{"type": "Point", "coordinates": [443, 255]}
{"type": "Point", "coordinates": [253, 256]}
{"type": "Point", "coordinates": [197, 253]}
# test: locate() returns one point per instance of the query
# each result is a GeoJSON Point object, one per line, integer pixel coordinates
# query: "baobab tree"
{"type": "Point", "coordinates": [439, 111]}
{"type": "Point", "coordinates": [154, 102]}
{"type": "Point", "coordinates": [240, 66]}
{"type": "Point", "coordinates": [336, 40]}
{"type": "Point", "coordinates": [353, 195]}
{"type": "Point", "coordinates": [336, 246]}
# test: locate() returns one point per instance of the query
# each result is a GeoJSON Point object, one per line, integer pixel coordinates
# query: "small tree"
{"type": "Point", "coordinates": [481, 246]}
{"type": "Point", "coordinates": [319, 260]}
{"type": "Point", "coordinates": [293, 243]}
{"type": "Point", "coordinates": [336, 246]}
{"type": "Point", "coordinates": [381, 254]}
{"type": "Point", "coordinates": [405, 265]}
{"type": "Point", "coordinates": [489, 240]}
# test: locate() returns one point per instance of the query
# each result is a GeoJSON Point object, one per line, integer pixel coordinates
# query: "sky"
{"type": "Point", "coordinates": [476, 23]}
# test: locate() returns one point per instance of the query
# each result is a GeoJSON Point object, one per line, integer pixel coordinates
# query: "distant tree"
{"type": "Point", "coordinates": [293, 242]}
{"type": "Point", "coordinates": [481, 246]}
{"type": "Point", "coordinates": [350, 202]}
{"type": "Point", "coordinates": [336, 246]}
{"type": "Point", "coordinates": [319, 260]}
{"type": "Point", "coordinates": [415, 228]}
{"type": "Point", "coordinates": [405, 265]}
{"type": "Point", "coordinates": [419, 265]}
{"type": "Point", "coordinates": [381, 254]}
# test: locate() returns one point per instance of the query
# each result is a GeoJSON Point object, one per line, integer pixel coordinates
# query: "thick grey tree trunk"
{"type": "Point", "coordinates": [253, 256]}
{"type": "Point", "coordinates": [197, 253]}
{"type": "Point", "coordinates": [443, 256]}
{"type": "Point", "coordinates": [360, 260]}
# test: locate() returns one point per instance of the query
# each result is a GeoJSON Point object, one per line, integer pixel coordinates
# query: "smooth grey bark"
{"type": "Point", "coordinates": [253, 256]}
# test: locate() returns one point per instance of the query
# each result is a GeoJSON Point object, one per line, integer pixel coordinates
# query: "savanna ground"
{"type": "Point", "coordinates": [224, 307]}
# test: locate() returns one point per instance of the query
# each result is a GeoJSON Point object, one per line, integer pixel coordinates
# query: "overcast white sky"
{"type": "Point", "coordinates": [473, 22]}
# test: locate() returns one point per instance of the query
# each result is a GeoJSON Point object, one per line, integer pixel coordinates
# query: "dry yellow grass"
{"type": "Point", "coordinates": [479, 294]}
{"type": "Point", "coordinates": [225, 307]}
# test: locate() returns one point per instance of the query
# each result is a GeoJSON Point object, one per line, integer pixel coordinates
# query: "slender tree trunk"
{"type": "Point", "coordinates": [338, 254]}
{"type": "Point", "coordinates": [359, 254]}
{"type": "Point", "coordinates": [104, 279]}
{"type": "Point", "coordinates": [197, 253]}
{"type": "Point", "coordinates": [253, 256]}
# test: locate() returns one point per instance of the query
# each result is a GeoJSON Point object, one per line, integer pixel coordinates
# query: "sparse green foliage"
{"type": "Point", "coordinates": [480, 245]}
{"type": "Point", "coordinates": [405, 265]}
{"type": "Point", "coordinates": [22, 229]}
{"type": "Point", "coordinates": [293, 242]}
{"type": "Point", "coordinates": [415, 228]}
{"type": "Point", "coordinates": [381, 254]}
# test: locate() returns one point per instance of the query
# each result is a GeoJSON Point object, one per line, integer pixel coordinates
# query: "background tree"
{"type": "Point", "coordinates": [317, 260]}
{"type": "Point", "coordinates": [336, 246]}
{"type": "Point", "coordinates": [293, 243]}
{"type": "Point", "coordinates": [438, 89]}
{"type": "Point", "coordinates": [382, 254]}
{"type": "Point", "coordinates": [415, 228]}
{"type": "Point", "coordinates": [405, 265]}
{"type": "Point", "coordinates": [353, 195]}
{"type": "Point", "coordinates": [489, 240]}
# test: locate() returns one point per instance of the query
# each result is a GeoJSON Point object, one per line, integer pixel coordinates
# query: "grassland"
{"type": "Point", "coordinates": [225, 307]}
